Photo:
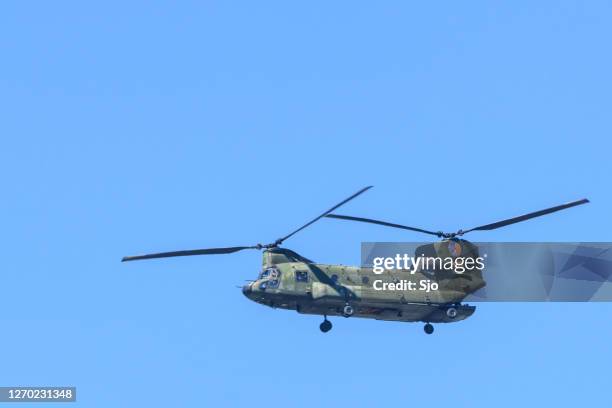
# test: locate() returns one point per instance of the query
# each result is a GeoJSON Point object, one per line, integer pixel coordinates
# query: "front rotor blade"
{"type": "Point", "coordinates": [280, 240]}
{"type": "Point", "coordinates": [209, 251]}
{"type": "Point", "coordinates": [386, 224]}
{"type": "Point", "coordinates": [525, 217]}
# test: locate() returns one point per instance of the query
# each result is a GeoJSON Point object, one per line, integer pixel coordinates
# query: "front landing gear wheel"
{"type": "Point", "coordinates": [428, 328]}
{"type": "Point", "coordinates": [325, 326]}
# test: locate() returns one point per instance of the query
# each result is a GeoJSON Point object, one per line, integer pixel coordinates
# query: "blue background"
{"type": "Point", "coordinates": [149, 126]}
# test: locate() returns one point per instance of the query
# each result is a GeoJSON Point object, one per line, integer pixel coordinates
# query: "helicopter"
{"type": "Point", "coordinates": [288, 280]}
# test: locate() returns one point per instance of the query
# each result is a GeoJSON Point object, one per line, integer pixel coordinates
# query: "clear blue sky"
{"type": "Point", "coordinates": [150, 126]}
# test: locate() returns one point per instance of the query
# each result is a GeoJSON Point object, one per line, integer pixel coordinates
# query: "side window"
{"type": "Point", "coordinates": [301, 276]}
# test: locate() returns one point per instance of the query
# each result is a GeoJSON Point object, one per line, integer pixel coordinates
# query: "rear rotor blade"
{"type": "Point", "coordinates": [386, 224]}
{"type": "Point", "coordinates": [280, 240]}
{"type": "Point", "coordinates": [525, 217]}
{"type": "Point", "coordinates": [208, 251]}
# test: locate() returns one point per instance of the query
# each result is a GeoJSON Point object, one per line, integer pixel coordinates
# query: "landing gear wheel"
{"type": "Point", "coordinates": [325, 326]}
{"type": "Point", "coordinates": [451, 312]}
{"type": "Point", "coordinates": [348, 310]}
{"type": "Point", "coordinates": [428, 328]}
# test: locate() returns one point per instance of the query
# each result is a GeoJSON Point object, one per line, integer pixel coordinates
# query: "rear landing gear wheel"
{"type": "Point", "coordinates": [325, 326]}
{"type": "Point", "coordinates": [451, 312]}
{"type": "Point", "coordinates": [428, 328]}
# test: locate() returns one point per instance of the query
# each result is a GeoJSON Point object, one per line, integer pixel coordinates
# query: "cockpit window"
{"type": "Point", "coordinates": [271, 273]}
{"type": "Point", "coordinates": [270, 277]}
{"type": "Point", "coordinates": [301, 276]}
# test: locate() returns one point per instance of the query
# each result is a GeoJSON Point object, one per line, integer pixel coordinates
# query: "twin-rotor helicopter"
{"type": "Point", "coordinates": [290, 281]}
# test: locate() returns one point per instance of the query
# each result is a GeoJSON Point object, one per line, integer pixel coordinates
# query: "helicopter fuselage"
{"type": "Point", "coordinates": [289, 281]}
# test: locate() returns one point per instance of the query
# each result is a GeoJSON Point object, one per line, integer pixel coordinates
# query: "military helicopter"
{"type": "Point", "coordinates": [290, 281]}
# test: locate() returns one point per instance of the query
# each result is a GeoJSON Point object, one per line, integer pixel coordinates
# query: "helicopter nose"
{"type": "Point", "coordinates": [246, 290]}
